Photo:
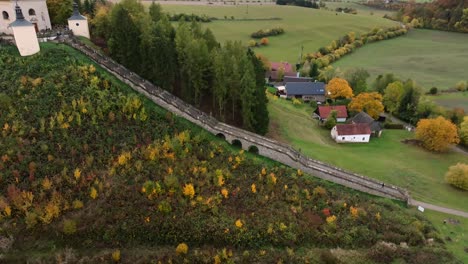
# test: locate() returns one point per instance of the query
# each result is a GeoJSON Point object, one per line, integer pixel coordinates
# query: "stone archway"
{"type": "Point", "coordinates": [253, 149]}
{"type": "Point", "coordinates": [237, 143]}
{"type": "Point", "coordinates": [221, 135]}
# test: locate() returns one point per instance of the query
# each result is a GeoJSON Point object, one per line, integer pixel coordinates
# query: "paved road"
{"type": "Point", "coordinates": [439, 208]}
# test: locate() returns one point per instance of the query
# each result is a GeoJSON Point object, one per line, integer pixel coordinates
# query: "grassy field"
{"type": "Point", "coordinates": [384, 158]}
{"type": "Point", "coordinates": [458, 233]}
{"type": "Point", "coordinates": [451, 100]}
{"type": "Point", "coordinates": [431, 58]}
{"type": "Point", "coordinates": [361, 9]}
{"type": "Point", "coordinates": [306, 27]}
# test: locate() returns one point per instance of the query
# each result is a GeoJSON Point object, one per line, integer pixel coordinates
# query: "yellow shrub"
{"type": "Point", "coordinates": [239, 223]}
{"type": "Point", "coordinates": [225, 193]}
{"type": "Point", "coordinates": [331, 219]}
{"type": "Point", "coordinates": [253, 188]}
{"type": "Point", "coordinates": [189, 190]}
{"type": "Point", "coordinates": [77, 204]}
{"type": "Point", "coordinates": [93, 193]}
{"type": "Point", "coordinates": [182, 248]}
{"type": "Point", "coordinates": [354, 212]}
{"type": "Point", "coordinates": [77, 174]}
{"type": "Point", "coordinates": [116, 255]}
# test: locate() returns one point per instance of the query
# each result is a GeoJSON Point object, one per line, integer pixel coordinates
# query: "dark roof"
{"type": "Point", "coordinates": [76, 13]}
{"type": "Point", "coordinates": [324, 111]}
{"type": "Point", "coordinates": [353, 129]}
{"type": "Point", "coordinates": [297, 79]}
{"type": "Point", "coordinates": [364, 118]}
{"type": "Point", "coordinates": [305, 88]}
{"type": "Point", "coordinates": [20, 21]}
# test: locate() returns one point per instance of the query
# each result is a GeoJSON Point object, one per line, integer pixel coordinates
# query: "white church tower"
{"type": "Point", "coordinates": [25, 34]}
{"type": "Point", "coordinates": [78, 23]}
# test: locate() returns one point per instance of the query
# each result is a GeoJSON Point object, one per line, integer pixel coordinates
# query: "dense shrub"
{"type": "Point", "coordinates": [433, 90]}
{"type": "Point", "coordinates": [190, 17]}
{"type": "Point", "coordinates": [83, 146]}
{"type": "Point", "coordinates": [267, 32]}
{"type": "Point", "coordinates": [389, 125]}
{"type": "Point", "coordinates": [457, 176]}
{"type": "Point", "coordinates": [347, 10]}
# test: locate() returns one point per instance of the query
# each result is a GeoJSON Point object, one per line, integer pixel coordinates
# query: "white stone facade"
{"type": "Point", "coordinates": [349, 138]}
{"type": "Point", "coordinates": [79, 27]}
{"type": "Point", "coordinates": [34, 11]}
{"type": "Point", "coordinates": [26, 40]}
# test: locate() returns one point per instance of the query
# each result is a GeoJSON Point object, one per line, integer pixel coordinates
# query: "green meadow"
{"type": "Point", "coordinates": [385, 158]}
{"type": "Point", "coordinates": [431, 58]}
{"type": "Point", "coordinates": [310, 28]}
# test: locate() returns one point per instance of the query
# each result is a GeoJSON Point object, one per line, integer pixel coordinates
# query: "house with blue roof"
{"type": "Point", "coordinates": [306, 91]}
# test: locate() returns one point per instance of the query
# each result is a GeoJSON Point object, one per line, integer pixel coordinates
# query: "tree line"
{"type": "Point", "coordinates": [450, 15]}
{"type": "Point", "coordinates": [227, 81]}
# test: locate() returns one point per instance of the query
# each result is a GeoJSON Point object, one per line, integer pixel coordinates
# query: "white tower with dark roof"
{"type": "Point", "coordinates": [78, 23]}
{"type": "Point", "coordinates": [25, 34]}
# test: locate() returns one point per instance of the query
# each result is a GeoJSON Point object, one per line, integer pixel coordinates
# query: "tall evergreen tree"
{"type": "Point", "coordinates": [159, 58]}
{"type": "Point", "coordinates": [259, 110]}
{"type": "Point", "coordinates": [124, 42]}
{"type": "Point", "coordinates": [314, 70]}
{"type": "Point", "coordinates": [155, 12]}
{"type": "Point", "coordinates": [409, 101]}
{"type": "Point", "coordinates": [247, 86]}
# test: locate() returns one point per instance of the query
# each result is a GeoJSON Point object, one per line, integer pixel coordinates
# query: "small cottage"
{"type": "Point", "coordinates": [324, 111]}
{"type": "Point", "coordinates": [276, 68]}
{"type": "Point", "coordinates": [306, 91]}
{"type": "Point", "coordinates": [351, 133]}
{"type": "Point", "coordinates": [363, 118]}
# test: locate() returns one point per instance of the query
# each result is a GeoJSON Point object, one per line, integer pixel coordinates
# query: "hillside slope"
{"type": "Point", "coordinates": [88, 167]}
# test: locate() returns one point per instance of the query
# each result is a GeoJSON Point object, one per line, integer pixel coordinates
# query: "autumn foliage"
{"type": "Point", "coordinates": [437, 134]}
{"type": "Point", "coordinates": [457, 176]}
{"type": "Point", "coordinates": [339, 88]}
{"type": "Point", "coordinates": [371, 103]}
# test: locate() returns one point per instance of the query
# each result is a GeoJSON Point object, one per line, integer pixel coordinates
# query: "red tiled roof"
{"type": "Point", "coordinates": [324, 111]}
{"type": "Point", "coordinates": [275, 66]}
{"type": "Point", "coordinates": [353, 129]}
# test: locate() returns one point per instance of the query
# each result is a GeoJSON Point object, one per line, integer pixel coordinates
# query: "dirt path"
{"type": "Point", "coordinates": [439, 208]}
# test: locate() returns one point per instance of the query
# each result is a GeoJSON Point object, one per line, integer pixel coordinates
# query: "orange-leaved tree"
{"type": "Point", "coordinates": [339, 88]}
{"type": "Point", "coordinates": [437, 134]}
{"type": "Point", "coordinates": [371, 103]}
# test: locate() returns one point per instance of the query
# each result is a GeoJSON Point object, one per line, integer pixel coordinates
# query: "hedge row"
{"type": "Point", "coordinates": [348, 43]}
{"type": "Point", "coordinates": [267, 32]}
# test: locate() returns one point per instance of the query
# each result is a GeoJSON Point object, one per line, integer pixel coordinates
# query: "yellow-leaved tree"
{"type": "Point", "coordinates": [339, 88]}
{"type": "Point", "coordinates": [371, 103]}
{"type": "Point", "coordinates": [437, 134]}
{"type": "Point", "coordinates": [457, 176]}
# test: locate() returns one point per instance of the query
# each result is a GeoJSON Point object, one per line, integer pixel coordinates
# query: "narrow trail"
{"type": "Point", "coordinates": [439, 208]}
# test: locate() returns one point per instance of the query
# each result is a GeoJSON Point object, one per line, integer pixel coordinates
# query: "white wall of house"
{"type": "Point", "coordinates": [79, 27]}
{"type": "Point", "coordinates": [26, 40]}
{"type": "Point", "coordinates": [349, 138]}
{"type": "Point", "coordinates": [341, 120]}
{"type": "Point", "coordinates": [34, 11]}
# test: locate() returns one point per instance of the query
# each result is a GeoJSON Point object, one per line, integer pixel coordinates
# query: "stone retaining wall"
{"type": "Point", "coordinates": [267, 147]}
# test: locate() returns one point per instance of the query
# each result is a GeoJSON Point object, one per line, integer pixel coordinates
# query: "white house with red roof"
{"type": "Point", "coordinates": [351, 133]}
{"type": "Point", "coordinates": [324, 111]}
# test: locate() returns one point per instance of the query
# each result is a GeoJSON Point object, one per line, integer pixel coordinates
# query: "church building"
{"type": "Point", "coordinates": [34, 11]}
